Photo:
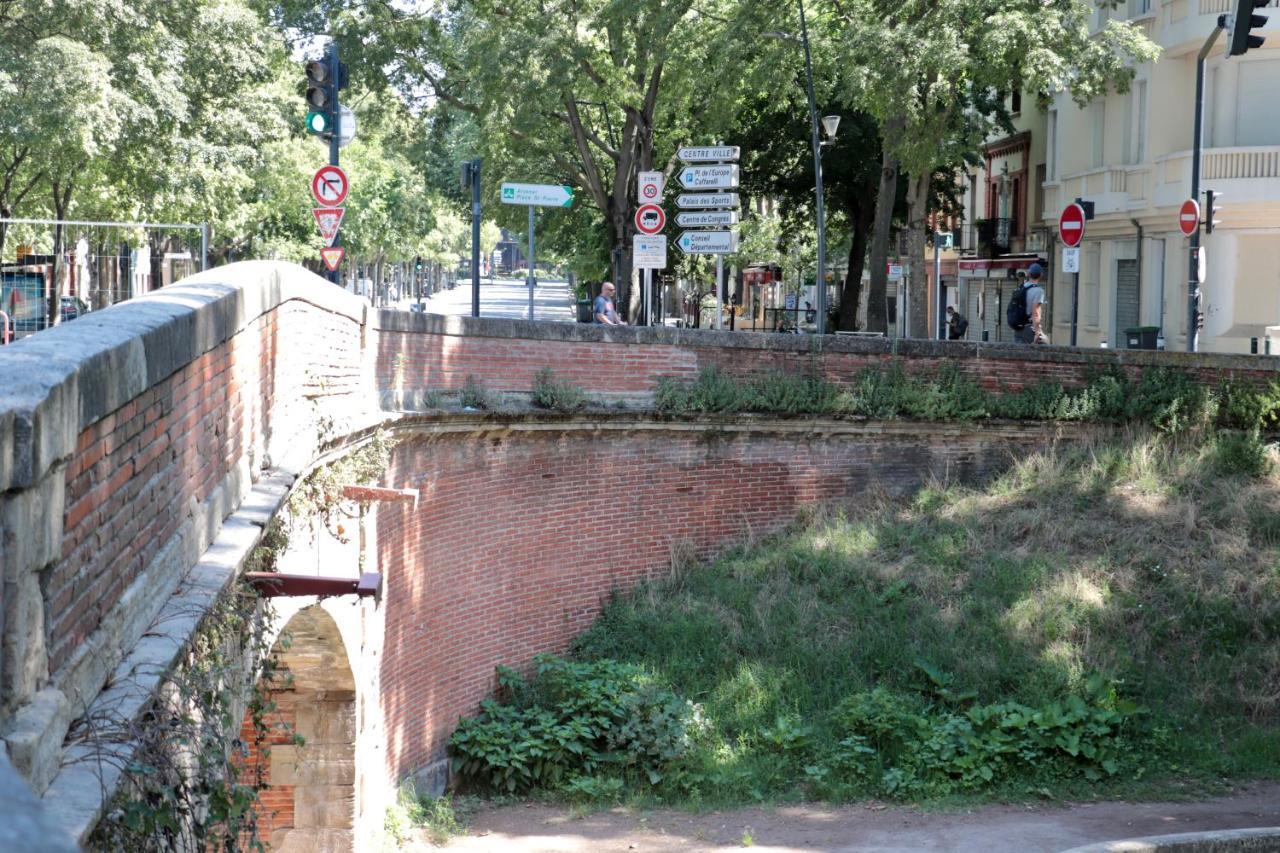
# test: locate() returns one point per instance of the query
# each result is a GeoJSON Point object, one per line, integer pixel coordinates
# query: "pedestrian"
{"type": "Point", "coordinates": [957, 325]}
{"type": "Point", "coordinates": [1024, 314]}
{"type": "Point", "coordinates": [606, 314]}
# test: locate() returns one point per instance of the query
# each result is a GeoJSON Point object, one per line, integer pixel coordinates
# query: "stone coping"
{"type": "Point", "coordinates": [1261, 840]}
{"type": "Point", "coordinates": [412, 322]}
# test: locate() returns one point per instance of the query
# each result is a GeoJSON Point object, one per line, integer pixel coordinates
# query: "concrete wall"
{"type": "Point", "coordinates": [143, 447]}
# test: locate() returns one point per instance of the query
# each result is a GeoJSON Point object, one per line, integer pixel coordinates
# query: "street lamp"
{"type": "Point", "coordinates": [829, 123]}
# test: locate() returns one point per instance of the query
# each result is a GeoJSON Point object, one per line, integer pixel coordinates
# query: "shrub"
{"type": "Point", "coordinates": [557, 394]}
{"type": "Point", "coordinates": [474, 395]}
{"type": "Point", "coordinates": [1242, 454]}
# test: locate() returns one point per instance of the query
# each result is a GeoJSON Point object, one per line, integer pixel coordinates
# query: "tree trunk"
{"type": "Point", "coordinates": [61, 201]}
{"type": "Point", "coordinates": [917, 220]}
{"type": "Point", "coordinates": [877, 313]}
{"type": "Point", "coordinates": [851, 294]}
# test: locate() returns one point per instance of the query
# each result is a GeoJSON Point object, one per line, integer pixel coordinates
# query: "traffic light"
{"type": "Point", "coordinates": [320, 97]}
{"type": "Point", "coordinates": [1211, 210]}
{"type": "Point", "coordinates": [1243, 25]}
{"type": "Point", "coordinates": [417, 264]}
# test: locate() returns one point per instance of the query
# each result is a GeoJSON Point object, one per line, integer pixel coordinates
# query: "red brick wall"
{"type": "Point", "coordinates": [520, 536]}
{"type": "Point", "coordinates": [275, 803]}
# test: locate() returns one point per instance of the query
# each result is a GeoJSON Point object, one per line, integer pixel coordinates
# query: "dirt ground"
{"type": "Point", "coordinates": [864, 827]}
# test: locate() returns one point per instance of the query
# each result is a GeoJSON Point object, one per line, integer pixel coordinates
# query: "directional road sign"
{"type": "Point", "coordinates": [709, 177]}
{"type": "Point", "coordinates": [538, 195]}
{"type": "Point", "coordinates": [329, 186]}
{"type": "Point", "coordinates": [649, 187]}
{"type": "Point", "coordinates": [1071, 225]}
{"type": "Point", "coordinates": [650, 219]}
{"type": "Point", "coordinates": [649, 251]}
{"type": "Point", "coordinates": [703, 201]}
{"type": "Point", "coordinates": [709, 153]}
{"type": "Point", "coordinates": [332, 257]}
{"type": "Point", "coordinates": [1189, 216]}
{"type": "Point", "coordinates": [708, 242]}
{"type": "Point", "coordinates": [707, 218]}
{"type": "Point", "coordinates": [329, 219]}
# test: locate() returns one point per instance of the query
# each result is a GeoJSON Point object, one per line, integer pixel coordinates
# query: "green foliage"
{"type": "Point", "coordinates": [318, 497]}
{"type": "Point", "coordinates": [1241, 454]}
{"type": "Point", "coordinates": [474, 395]}
{"type": "Point", "coordinates": [557, 394]}
{"type": "Point", "coordinates": [441, 817]}
{"type": "Point", "coordinates": [572, 722]}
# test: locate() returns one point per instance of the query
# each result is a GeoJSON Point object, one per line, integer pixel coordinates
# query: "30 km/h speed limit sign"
{"type": "Point", "coordinates": [329, 186]}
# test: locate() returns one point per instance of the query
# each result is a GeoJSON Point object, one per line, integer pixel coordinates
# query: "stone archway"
{"type": "Point", "coordinates": [310, 802]}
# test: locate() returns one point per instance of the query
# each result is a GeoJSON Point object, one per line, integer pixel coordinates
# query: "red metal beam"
{"type": "Point", "coordinates": [371, 494]}
{"type": "Point", "coordinates": [277, 585]}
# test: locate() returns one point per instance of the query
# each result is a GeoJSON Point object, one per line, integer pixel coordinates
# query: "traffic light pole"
{"type": "Point", "coordinates": [335, 116]}
{"type": "Point", "coordinates": [1194, 295]}
{"type": "Point", "coordinates": [475, 237]}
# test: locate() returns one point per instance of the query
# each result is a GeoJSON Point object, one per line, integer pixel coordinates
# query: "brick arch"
{"type": "Point", "coordinates": [309, 803]}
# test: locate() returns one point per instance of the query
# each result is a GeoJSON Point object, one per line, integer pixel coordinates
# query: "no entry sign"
{"type": "Point", "coordinates": [650, 219]}
{"type": "Point", "coordinates": [1071, 225]}
{"type": "Point", "coordinates": [1189, 216]}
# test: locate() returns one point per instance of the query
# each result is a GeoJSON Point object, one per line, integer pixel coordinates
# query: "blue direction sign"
{"type": "Point", "coordinates": [708, 242]}
{"type": "Point", "coordinates": [538, 195]}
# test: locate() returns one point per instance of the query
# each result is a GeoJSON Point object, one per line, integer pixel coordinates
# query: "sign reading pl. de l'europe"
{"type": "Point", "coordinates": [722, 177]}
{"type": "Point", "coordinates": [538, 195]}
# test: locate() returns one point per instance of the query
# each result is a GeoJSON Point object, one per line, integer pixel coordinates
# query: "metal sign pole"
{"type": "Point", "coordinates": [475, 237]}
{"type": "Point", "coordinates": [531, 261]}
{"type": "Point", "coordinates": [1193, 278]}
{"type": "Point", "coordinates": [937, 283]}
{"type": "Point", "coordinates": [1075, 306]}
{"type": "Point", "coordinates": [719, 292]}
{"type": "Point", "coordinates": [335, 116]}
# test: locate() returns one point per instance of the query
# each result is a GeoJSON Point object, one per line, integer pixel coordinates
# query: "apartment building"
{"type": "Point", "coordinates": [1130, 154]}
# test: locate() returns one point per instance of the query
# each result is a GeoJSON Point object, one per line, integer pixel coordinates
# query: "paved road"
{"type": "Point", "coordinates": [552, 300]}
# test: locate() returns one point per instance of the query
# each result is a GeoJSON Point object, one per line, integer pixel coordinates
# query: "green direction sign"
{"type": "Point", "coordinates": [538, 195]}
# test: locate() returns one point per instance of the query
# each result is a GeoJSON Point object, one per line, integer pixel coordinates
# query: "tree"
{"type": "Point", "coordinates": [929, 69]}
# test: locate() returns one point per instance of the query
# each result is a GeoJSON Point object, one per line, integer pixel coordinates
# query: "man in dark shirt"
{"type": "Point", "coordinates": [605, 313]}
{"type": "Point", "coordinates": [957, 325]}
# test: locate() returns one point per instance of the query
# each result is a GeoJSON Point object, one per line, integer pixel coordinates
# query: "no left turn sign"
{"type": "Point", "coordinates": [329, 186]}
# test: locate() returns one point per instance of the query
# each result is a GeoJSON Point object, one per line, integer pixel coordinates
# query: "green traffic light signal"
{"type": "Point", "coordinates": [318, 123]}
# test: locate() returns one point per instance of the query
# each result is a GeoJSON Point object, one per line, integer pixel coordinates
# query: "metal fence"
{"type": "Point", "coordinates": [54, 271]}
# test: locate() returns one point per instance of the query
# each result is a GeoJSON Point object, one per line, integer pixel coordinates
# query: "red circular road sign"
{"type": "Point", "coordinates": [1189, 216]}
{"type": "Point", "coordinates": [1071, 225]}
{"type": "Point", "coordinates": [650, 219]}
{"type": "Point", "coordinates": [329, 186]}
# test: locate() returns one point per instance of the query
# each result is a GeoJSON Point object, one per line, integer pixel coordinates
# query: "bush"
{"type": "Point", "coordinates": [573, 722]}
{"type": "Point", "coordinates": [557, 394]}
{"type": "Point", "coordinates": [474, 395]}
{"type": "Point", "coordinates": [1241, 454]}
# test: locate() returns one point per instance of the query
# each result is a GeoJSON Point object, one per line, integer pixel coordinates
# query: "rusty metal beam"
{"type": "Point", "coordinates": [277, 585]}
{"type": "Point", "coordinates": [372, 494]}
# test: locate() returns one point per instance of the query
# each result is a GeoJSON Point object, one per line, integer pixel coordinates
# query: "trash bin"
{"type": "Point", "coordinates": [1142, 337]}
{"type": "Point", "coordinates": [584, 311]}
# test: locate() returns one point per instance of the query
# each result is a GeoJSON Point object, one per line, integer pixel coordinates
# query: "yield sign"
{"type": "Point", "coordinates": [329, 219]}
{"type": "Point", "coordinates": [329, 186]}
{"type": "Point", "coordinates": [1189, 216]}
{"type": "Point", "coordinates": [1071, 225]}
{"type": "Point", "coordinates": [332, 257]}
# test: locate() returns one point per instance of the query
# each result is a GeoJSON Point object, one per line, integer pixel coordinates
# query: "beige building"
{"type": "Point", "coordinates": [1129, 153]}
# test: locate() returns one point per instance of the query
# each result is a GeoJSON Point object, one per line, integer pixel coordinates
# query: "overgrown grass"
{"type": "Point", "coordinates": [439, 818]}
{"type": "Point", "coordinates": [1169, 400]}
{"type": "Point", "coordinates": [558, 395]}
{"type": "Point", "coordinates": [1127, 572]}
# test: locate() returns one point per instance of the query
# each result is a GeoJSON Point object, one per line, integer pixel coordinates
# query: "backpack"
{"type": "Point", "coordinates": [1016, 314]}
{"type": "Point", "coordinates": [962, 326]}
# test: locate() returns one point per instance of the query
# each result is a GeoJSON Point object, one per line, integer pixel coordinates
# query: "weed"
{"type": "Point", "coordinates": [1241, 453]}
{"type": "Point", "coordinates": [441, 817]}
{"type": "Point", "coordinates": [474, 395]}
{"type": "Point", "coordinates": [557, 394]}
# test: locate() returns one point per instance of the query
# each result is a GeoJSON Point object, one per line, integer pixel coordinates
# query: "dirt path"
{"type": "Point", "coordinates": [866, 827]}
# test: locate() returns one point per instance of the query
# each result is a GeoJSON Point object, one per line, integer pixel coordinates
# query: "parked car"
{"type": "Point", "coordinates": [71, 307]}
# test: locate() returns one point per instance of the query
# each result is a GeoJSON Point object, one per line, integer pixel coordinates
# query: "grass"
{"type": "Point", "coordinates": [438, 818]}
{"type": "Point", "coordinates": [1143, 561]}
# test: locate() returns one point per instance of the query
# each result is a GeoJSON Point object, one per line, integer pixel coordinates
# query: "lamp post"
{"type": "Point", "coordinates": [829, 123]}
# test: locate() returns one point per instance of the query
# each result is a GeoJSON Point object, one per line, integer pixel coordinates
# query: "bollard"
{"type": "Point", "coordinates": [1253, 346]}
{"type": "Point", "coordinates": [986, 335]}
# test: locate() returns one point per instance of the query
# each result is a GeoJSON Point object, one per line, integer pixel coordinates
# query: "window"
{"type": "Point", "coordinates": [1091, 284]}
{"type": "Point", "coordinates": [1098, 115]}
{"type": "Point", "coordinates": [1015, 103]}
{"type": "Point", "coordinates": [1138, 8]}
{"type": "Point", "coordinates": [1051, 146]}
{"type": "Point", "coordinates": [1255, 98]}
{"type": "Point", "coordinates": [1135, 137]}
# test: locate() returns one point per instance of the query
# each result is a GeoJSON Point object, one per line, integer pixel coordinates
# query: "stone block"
{"type": "Point", "coordinates": [312, 841]}
{"type": "Point", "coordinates": [313, 765]}
{"type": "Point", "coordinates": [326, 722]}
{"type": "Point", "coordinates": [34, 737]}
{"type": "Point", "coordinates": [25, 656]}
{"type": "Point", "coordinates": [32, 524]}
{"type": "Point", "coordinates": [24, 823]}
{"type": "Point", "coordinates": [324, 806]}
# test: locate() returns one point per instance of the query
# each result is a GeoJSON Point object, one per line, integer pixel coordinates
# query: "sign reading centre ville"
{"type": "Point", "coordinates": [1189, 217]}
{"type": "Point", "coordinates": [708, 153]}
{"type": "Point", "coordinates": [1071, 225]}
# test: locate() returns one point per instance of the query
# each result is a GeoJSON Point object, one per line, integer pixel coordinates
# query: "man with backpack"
{"type": "Point", "coordinates": [1025, 309]}
{"type": "Point", "coordinates": [957, 325]}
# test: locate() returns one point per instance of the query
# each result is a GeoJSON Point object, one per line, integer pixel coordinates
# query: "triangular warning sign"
{"type": "Point", "coordinates": [332, 257]}
{"type": "Point", "coordinates": [329, 219]}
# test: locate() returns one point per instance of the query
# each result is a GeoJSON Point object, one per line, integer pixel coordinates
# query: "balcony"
{"type": "Point", "coordinates": [1248, 174]}
{"type": "Point", "coordinates": [1184, 24]}
{"type": "Point", "coordinates": [987, 238]}
{"type": "Point", "coordinates": [1113, 189]}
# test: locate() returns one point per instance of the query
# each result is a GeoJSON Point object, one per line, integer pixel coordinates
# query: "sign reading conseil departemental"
{"type": "Point", "coordinates": [709, 153]}
{"type": "Point", "coordinates": [537, 195]}
{"type": "Point", "coordinates": [708, 242]}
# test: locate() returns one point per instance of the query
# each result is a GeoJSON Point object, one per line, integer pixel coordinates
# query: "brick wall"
{"type": "Point", "coordinates": [524, 528]}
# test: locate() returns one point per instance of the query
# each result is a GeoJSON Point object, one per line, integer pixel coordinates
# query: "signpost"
{"type": "Point", "coordinates": [708, 242]}
{"type": "Point", "coordinates": [702, 201]}
{"type": "Point", "coordinates": [531, 196]}
{"type": "Point", "coordinates": [1189, 217]}
{"type": "Point", "coordinates": [1071, 232]}
{"type": "Point", "coordinates": [707, 219]}
{"type": "Point", "coordinates": [329, 219]}
{"type": "Point", "coordinates": [708, 153]}
{"type": "Point", "coordinates": [719, 177]}
{"type": "Point", "coordinates": [650, 219]}
{"type": "Point", "coordinates": [649, 186]}
{"type": "Point", "coordinates": [329, 185]}
{"type": "Point", "coordinates": [332, 257]}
